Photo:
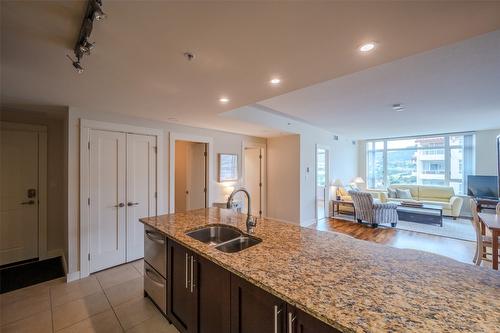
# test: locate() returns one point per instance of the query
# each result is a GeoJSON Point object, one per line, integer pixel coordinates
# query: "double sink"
{"type": "Point", "coordinates": [224, 238]}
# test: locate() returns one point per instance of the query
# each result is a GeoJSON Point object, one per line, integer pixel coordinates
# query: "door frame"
{"type": "Point", "coordinates": [42, 180]}
{"type": "Point", "coordinates": [85, 127]}
{"type": "Point", "coordinates": [327, 172]}
{"type": "Point", "coordinates": [177, 136]}
{"type": "Point", "coordinates": [263, 147]}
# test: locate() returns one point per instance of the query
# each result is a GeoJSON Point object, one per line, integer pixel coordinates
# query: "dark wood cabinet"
{"type": "Point", "coordinates": [198, 292]}
{"type": "Point", "coordinates": [214, 308]}
{"type": "Point", "coordinates": [182, 296]}
{"type": "Point", "coordinates": [300, 322]}
{"type": "Point", "coordinates": [255, 310]}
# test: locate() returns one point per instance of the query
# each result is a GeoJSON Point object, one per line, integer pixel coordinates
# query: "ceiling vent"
{"type": "Point", "coordinates": [335, 138]}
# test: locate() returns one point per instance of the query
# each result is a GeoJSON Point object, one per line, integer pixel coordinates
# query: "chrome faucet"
{"type": "Point", "coordinates": [251, 222]}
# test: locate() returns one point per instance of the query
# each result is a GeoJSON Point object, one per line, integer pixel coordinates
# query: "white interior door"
{"type": "Point", "coordinates": [322, 180]}
{"type": "Point", "coordinates": [107, 199]}
{"type": "Point", "coordinates": [18, 205]}
{"type": "Point", "coordinates": [196, 182]}
{"type": "Point", "coordinates": [253, 179]}
{"type": "Point", "coordinates": [141, 190]}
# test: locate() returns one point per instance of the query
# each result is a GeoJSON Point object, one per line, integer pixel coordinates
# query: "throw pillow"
{"type": "Point", "coordinates": [403, 194]}
{"type": "Point", "coordinates": [391, 193]}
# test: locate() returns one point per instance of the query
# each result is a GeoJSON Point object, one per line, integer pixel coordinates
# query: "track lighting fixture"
{"type": "Point", "coordinates": [83, 46]}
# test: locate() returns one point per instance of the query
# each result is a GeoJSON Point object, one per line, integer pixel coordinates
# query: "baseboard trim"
{"type": "Point", "coordinates": [73, 276]}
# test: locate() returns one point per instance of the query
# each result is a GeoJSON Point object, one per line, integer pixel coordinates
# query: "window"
{"type": "Point", "coordinates": [443, 160]}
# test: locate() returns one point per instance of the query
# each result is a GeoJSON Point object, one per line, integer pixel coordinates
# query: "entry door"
{"type": "Point", "coordinates": [322, 172]}
{"type": "Point", "coordinates": [196, 176]}
{"type": "Point", "coordinates": [107, 195]}
{"type": "Point", "coordinates": [253, 178]}
{"type": "Point", "coordinates": [141, 190]}
{"type": "Point", "coordinates": [19, 196]}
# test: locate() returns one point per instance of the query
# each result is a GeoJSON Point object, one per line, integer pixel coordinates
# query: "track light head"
{"type": "Point", "coordinates": [99, 14]}
{"type": "Point", "coordinates": [86, 47]}
{"type": "Point", "coordinates": [76, 64]}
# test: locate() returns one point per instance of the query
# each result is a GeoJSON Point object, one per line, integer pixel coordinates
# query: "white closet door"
{"type": "Point", "coordinates": [141, 188]}
{"type": "Point", "coordinates": [107, 199]}
{"type": "Point", "coordinates": [18, 209]}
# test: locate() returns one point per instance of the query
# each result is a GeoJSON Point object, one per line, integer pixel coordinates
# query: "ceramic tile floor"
{"type": "Point", "coordinates": [108, 301]}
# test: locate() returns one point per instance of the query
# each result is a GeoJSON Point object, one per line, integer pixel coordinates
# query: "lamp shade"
{"type": "Point", "coordinates": [358, 180]}
{"type": "Point", "coordinates": [337, 183]}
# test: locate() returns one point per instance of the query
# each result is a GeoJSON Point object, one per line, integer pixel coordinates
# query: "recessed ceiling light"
{"type": "Point", "coordinates": [275, 81]}
{"type": "Point", "coordinates": [398, 107]}
{"type": "Point", "coordinates": [367, 47]}
{"type": "Point", "coordinates": [224, 100]}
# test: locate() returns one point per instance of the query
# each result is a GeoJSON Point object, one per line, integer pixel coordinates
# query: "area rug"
{"type": "Point", "coordinates": [20, 276]}
{"type": "Point", "coordinates": [459, 229]}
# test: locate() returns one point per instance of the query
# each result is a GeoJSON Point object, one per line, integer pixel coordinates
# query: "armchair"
{"type": "Point", "coordinates": [373, 213]}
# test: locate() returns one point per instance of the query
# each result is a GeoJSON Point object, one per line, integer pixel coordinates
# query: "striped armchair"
{"type": "Point", "coordinates": [373, 213]}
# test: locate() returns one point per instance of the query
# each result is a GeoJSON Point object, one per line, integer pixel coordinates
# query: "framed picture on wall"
{"type": "Point", "coordinates": [228, 167]}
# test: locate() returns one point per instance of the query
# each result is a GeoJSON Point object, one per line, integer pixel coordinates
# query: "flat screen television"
{"type": "Point", "coordinates": [484, 187]}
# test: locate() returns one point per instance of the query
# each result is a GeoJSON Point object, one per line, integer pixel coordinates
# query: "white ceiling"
{"type": "Point", "coordinates": [138, 68]}
{"type": "Point", "coordinates": [449, 89]}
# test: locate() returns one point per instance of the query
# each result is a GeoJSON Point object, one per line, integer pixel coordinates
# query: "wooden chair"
{"type": "Point", "coordinates": [482, 241]}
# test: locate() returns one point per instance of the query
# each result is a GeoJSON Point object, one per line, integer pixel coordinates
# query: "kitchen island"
{"type": "Point", "coordinates": [352, 285]}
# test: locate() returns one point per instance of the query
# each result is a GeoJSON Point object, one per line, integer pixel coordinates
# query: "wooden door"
{"type": "Point", "coordinates": [196, 176]}
{"type": "Point", "coordinates": [181, 294]}
{"type": "Point", "coordinates": [18, 196]}
{"type": "Point", "coordinates": [107, 199]}
{"type": "Point", "coordinates": [255, 310]}
{"type": "Point", "coordinates": [298, 321]}
{"type": "Point", "coordinates": [214, 289]}
{"type": "Point", "coordinates": [141, 190]}
{"type": "Point", "coordinates": [253, 179]}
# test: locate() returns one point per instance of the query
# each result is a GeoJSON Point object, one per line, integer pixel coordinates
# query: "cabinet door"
{"type": "Point", "coordinates": [181, 295]}
{"type": "Point", "coordinates": [214, 284]}
{"type": "Point", "coordinates": [298, 321]}
{"type": "Point", "coordinates": [255, 310]}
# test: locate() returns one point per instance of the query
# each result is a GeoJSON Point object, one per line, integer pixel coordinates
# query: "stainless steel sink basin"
{"type": "Point", "coordinates": [238, 244]}
{"type": "Point", "coordinates": [215, 234]}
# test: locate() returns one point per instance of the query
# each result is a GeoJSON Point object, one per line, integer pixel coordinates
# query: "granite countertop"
{"type": "Point", "coordinates": [354, 285]}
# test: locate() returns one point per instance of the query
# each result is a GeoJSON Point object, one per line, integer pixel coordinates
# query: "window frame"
{"type": "Point", "coordinates": [447, 147]}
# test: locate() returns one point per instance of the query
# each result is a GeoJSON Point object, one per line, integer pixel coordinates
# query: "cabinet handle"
{"type": "Point", "coordinates": [277, 311]}
{"type": "Point", "coordinates": [192, 273]}
{"type": "Point", "coordinates": [150, 276]}
{"type": "Point", "coordinates": [120, 205]}
{"type": "Point", "coordinates": [291, 318]}
{"type": "Point", "coordinates": [187, 268]}
{"type": "Point", "coordinates": [132, 204]}
{"type": "Point", "coordinates": [153, 236]}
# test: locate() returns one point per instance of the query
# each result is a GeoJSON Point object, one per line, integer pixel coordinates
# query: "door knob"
{"type": "Point", "coordinates": [120, 205]}
{"type": "Point", "coordinates": [30, 202]}
{"type": "Point", "coordinates": [132, 204]}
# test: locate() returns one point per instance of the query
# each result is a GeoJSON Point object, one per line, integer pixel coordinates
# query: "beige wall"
{"type": "Point", "coordinates": [55, 121]}
{"type": "Point", "coordinates": [283, 178]}
{"type": "Point", "coordinates": [223, 143]}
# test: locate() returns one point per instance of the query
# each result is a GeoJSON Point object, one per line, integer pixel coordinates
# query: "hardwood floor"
{"type": "Point", "coordinates": [453, 248]}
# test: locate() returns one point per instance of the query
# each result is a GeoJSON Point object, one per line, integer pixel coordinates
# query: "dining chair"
{"type": "Point", "coordinates": [482, 241]}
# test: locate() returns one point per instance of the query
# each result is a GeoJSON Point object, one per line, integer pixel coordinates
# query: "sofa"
{"type": "Point", "coordinates": [443, 196]}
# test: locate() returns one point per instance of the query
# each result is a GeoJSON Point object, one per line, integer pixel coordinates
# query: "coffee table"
{"type": "Point", "coordinates": [425, 214]}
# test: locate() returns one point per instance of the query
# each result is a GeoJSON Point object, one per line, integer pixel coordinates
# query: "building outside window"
{"type": "Point", "coordinates": [441, 160]}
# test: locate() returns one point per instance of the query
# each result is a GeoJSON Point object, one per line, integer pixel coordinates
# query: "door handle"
{"type": "Point", "coordinates": [192, 273]}
{"type": "Point", "coordinates": [120, 205]}
{"type": "Point", "coordinates": [132, 204]}
{"type": "Point", "coordinates": [30, 202]}
{"type": "Point", "coordinates": [276, 313]}
{"type": "Point", "coordinates": [187, 270]}
{"type": "Point", "coordinates": [291, 319]}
